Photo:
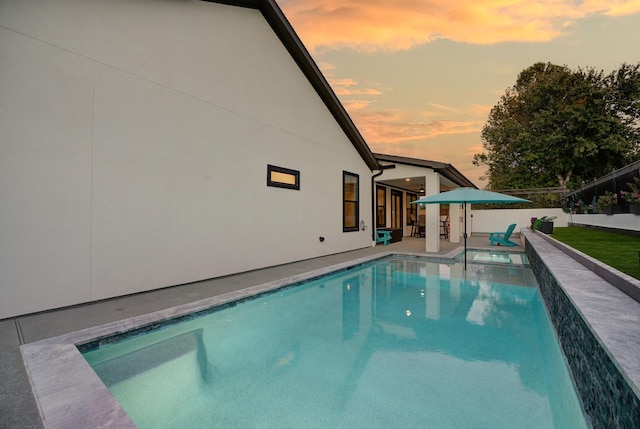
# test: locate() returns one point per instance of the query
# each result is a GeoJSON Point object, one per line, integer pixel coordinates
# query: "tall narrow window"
{"type": "Point", "coordinates": [350, 212]}
{"type": "Point", "coordinates": [396, 209]}
{"type": "Point", "coordinates": [381, 207]}
{"type": "Point", "coordinates": [412, 209]}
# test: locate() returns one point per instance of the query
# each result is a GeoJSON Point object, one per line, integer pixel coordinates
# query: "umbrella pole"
{"type": "Point", "coordinates": [465, 235]}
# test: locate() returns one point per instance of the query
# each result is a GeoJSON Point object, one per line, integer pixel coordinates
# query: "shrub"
{"type": "Point", "coordinates": [633, 196]}
{"type": "Point", "coordinates": [609, 199]}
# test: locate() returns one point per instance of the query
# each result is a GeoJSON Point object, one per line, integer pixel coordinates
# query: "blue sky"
{"type": "Point", "coordinates": [419, 77]}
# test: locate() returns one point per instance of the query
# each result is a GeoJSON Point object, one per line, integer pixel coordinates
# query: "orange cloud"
{"type": "Point", "coordinates": [341, 90]}
{"type": "Point", "coordinates": [347, 86]}
{"type": "Point", "coordinates": [458, 151]}
{"type": "Point", "coordinates": [386, 25]}
{"type": "Point", "coordinates": [395, 126]}
{"type": "Point", "coordinates": [353, 105]}
{"type": "Point", "coordinates": [480, 111]}
{"type": "Point", "coordinates": [473, 149]}
{"type": "Point", "coordinates": [442, 107]}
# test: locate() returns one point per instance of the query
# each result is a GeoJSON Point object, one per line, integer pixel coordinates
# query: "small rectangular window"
{"type": "Point", "coordinates": [280, 177]}
{"type": "Point", "coordinates": [350, 200]}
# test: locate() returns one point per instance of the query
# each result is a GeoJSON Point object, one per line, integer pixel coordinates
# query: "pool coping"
{"type": "Point", "coordinates": [70, 394]}
{"type": "Point", "coordinates": [612, 315]}
{"type": "Point", "coordinates": [625, 283]}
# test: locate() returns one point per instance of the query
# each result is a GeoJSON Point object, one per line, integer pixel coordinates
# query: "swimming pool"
{"type": "Point", "coordinates": [397, 342]}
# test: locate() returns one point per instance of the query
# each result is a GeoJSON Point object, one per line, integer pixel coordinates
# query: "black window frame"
{"type": "Point", "coordinates": [412, 209]}
{"type": "Point", "coordinates": [397, 213]}
{"type": "Point", "coordinates": [382, 205]}
{"type": "Point", "coordinates": [273, 168]}
{"type": "Point", "coordinates": [355, 203]}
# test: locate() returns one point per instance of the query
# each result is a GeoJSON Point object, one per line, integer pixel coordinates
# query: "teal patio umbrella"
{"type": "Point", "coordinates": [468, 195]}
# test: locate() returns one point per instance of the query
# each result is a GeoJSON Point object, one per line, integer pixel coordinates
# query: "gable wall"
{"type": "Point", "coordinates": [136, 137]}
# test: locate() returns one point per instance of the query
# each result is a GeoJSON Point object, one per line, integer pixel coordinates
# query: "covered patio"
{"type": "Point", "coordinates": [404, 180]}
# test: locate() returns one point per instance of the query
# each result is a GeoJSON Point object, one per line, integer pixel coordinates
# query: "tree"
{"type": "Point", "coordinates": [558, 127]}
{"type": "Point", "coordinates": [624, 99]}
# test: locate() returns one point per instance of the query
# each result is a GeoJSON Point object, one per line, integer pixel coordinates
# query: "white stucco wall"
{"type": "Point", "coordinates": [134, 143]}
{"type": "Point", "coordinates": [486, 221]}
{"type": "Point", "coordinates": [623, 221]}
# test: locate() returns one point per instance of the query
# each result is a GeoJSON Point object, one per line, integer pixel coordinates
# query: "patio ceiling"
{"type": "Point", "coordinates": [413, 184]}
{"type": "Point", "coordinates": [450, 177]}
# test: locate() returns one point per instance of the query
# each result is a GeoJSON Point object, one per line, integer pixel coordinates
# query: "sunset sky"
{"type": "Point", "coordinates": [419, 77]}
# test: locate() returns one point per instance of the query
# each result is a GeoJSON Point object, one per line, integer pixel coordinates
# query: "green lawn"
{"type": "Point", "coordinates": [616, 250]}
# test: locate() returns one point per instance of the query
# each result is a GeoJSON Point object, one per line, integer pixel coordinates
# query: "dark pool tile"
{"type": "Point", "coordinates": [598, 331]}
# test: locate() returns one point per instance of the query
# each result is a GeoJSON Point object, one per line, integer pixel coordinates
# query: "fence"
{"type": "Point", "coordinates": [485, 221]}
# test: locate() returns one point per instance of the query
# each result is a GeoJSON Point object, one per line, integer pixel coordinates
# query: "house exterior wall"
{"type": "Point", "coordinates": [135, 137]}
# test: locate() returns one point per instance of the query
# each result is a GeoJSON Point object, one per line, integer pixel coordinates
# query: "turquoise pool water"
{"type": "Point", "coordinates": [397, 343]}
{"type": "Point", "coordinates": [495, 256]}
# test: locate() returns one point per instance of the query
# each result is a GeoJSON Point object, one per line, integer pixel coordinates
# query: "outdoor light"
{"type": "Point", "coordinates": [421, 189]}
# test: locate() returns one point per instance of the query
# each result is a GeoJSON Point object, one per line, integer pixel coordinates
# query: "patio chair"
{"type": "Point", "coordinates": [414, 226]}
{"type": "Point", "coordinates": [502, 238]}
{"type": "Point", "coordinates": [444, 226]}
{"type": "Point", "coordinates": [383, 236]}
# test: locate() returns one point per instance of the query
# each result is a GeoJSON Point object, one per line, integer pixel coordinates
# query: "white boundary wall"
{"type": "Point", "coordinates": [497, 220]}
{"type": "Point", "coordinates": [625, 221]}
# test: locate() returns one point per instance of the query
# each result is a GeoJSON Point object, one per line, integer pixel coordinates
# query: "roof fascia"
{"type": "Point", "coordinates": [447, 170]}
{"type": "Point", "coordinates": [287, 35]}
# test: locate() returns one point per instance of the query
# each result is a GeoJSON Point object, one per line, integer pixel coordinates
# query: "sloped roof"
{"type": "Point", "coordinates": [283, 29]}
{"type": "Point", "coordinates": [446, 170]}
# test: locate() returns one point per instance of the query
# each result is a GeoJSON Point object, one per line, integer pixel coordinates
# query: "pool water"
{"type": "Point", "coordinates": [396, 343]}
{"type": "Point", "coordinates": [495, 256]}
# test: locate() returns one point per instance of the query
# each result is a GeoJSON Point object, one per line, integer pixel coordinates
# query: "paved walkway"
{"type": "Point", "coordinates": [18, 408]}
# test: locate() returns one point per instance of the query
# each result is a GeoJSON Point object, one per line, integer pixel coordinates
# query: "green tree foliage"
{"type": "Point", "coordinates": [558, 127]}
{"type": "Point", "coordinates": [624, 100]}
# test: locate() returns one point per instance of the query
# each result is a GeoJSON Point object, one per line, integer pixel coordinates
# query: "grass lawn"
{"type": "Point", "coordinates": [616, 250]}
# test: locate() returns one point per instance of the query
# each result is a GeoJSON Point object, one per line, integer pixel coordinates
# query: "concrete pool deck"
{"type": "Point", "coordinates": [18, 408]}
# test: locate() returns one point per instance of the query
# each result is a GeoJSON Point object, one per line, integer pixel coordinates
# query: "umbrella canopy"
{"type": "Point", "coordinates": [468, 195]}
